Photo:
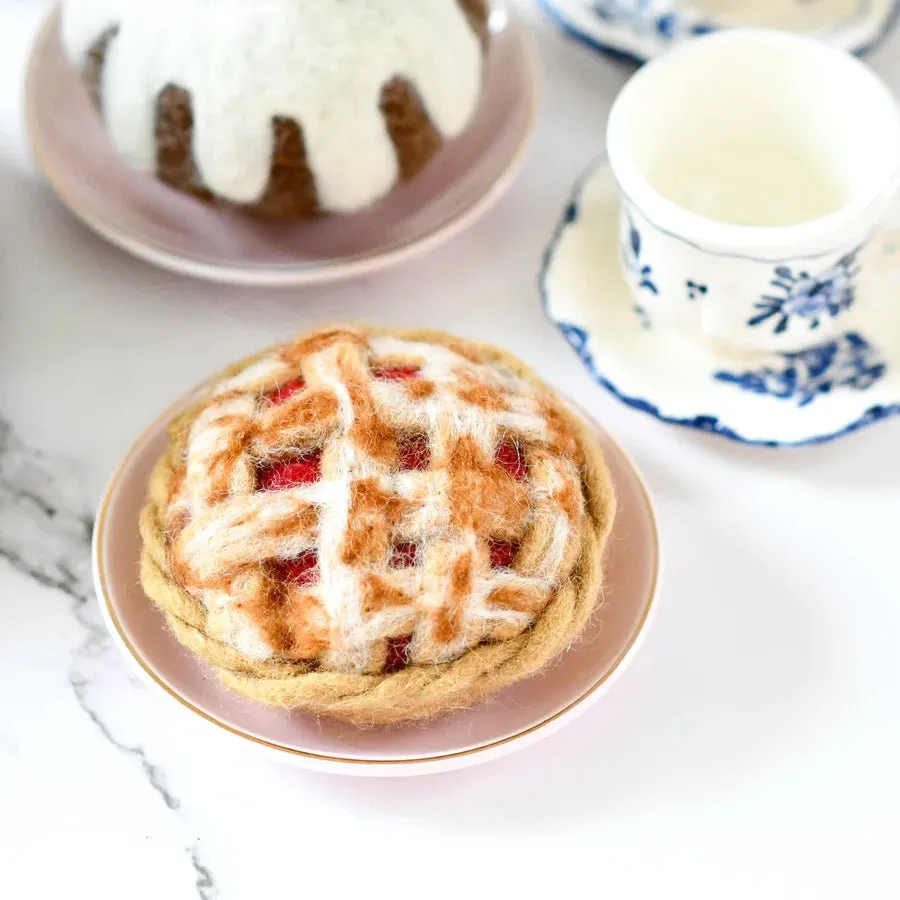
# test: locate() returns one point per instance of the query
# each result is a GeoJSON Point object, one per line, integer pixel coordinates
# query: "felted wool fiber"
{"type": "Point", "coordinates": [378, 526]}
{"type": "Point", "coordinates": [282, 108]}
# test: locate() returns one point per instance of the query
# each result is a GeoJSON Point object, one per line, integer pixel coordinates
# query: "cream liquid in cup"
{"type": "Point", "coordinates": [749, 179]}
{"type": "Point", "coordinates": [740, 148]}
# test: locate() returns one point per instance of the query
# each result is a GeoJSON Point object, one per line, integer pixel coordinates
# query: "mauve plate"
{"type": "Point", "coordinates": [174, 231]}
{"type": "Point", "coordinates": [508, 721]}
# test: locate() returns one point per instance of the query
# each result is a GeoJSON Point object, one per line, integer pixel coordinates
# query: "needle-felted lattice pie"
{"type": "Point", "coordinates": [283, 108]}
{"type": "Point", "coordinates": [379, 526]}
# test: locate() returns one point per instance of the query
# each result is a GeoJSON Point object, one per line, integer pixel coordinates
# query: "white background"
{"type": "Point", "coordinates": [752, 750]}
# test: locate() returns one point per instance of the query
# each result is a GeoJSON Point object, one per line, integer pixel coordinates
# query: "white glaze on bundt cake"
{"type": "Point", "coordinates": [283, 107]}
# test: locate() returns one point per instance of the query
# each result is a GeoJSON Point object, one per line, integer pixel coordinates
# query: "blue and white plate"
{"type": "Point", "coordinates": [641, 29]}
{"type": "Point", "coordinates": [844, 383]}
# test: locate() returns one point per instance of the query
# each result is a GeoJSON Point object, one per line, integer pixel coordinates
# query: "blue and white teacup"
{"type": "Point", "coordinates": [757, 170]}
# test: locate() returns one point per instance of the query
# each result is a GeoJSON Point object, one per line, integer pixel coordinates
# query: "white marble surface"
{"type": "Point", "coordinates": [752, 749]}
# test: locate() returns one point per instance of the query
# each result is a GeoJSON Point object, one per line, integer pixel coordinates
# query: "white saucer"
{"type": "Point", "coordinates": [171, 230]}
{"type": "Point", "coordinates": [840, 385]}
{"type": "Point", "coordinates": [638, 30]}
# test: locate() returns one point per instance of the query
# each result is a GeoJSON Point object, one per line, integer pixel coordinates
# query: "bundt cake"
{"type": "Point", "coordinates": [283, 108]}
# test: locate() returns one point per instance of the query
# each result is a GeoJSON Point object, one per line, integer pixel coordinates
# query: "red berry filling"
{"type": "Point", "coordinates": [415, 454]}
{"type": "Point", "coordinates": [398, 653]}
{"type": "Point", "coordinates": [290, 473]}
{"type": "Point", "coordinates": [509, 457]}
{"type": "Point", "coordinates": [286, 391]}
{"type": "Point", "coordinates": [395, 373]}
{"type": "Point", "coordinates": [503, 554]}
{"type": "Point", "coordinates": [404, 555]}
{"type": "Point", "coordinates": [301, 571]}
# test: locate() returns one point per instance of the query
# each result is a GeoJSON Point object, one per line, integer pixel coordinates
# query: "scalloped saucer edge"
{"type": "Point", "coordinates": [828, 390]}
{"type": "Point", "coordinates": [622, 31]}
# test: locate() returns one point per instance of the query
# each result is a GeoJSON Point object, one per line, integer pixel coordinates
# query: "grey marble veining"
{"type": "Point", "coordinates": [45, 534]}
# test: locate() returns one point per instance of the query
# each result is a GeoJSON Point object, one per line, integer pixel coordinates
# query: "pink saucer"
{"type": "Point", "coordinates": [512, 719]}
{"type": "Point", "coordinates": [173, 231]}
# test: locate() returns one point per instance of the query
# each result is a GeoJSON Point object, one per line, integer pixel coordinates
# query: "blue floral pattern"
{"type": "Point", "coordinates": [849, 362]}
{"type": "Point", "coordinates": [641, 272]}
{"type": "Point", "coordinates": [809, 298]}
{"type": "Point", "coordinates": [637, 268]}
{"type": "Point", "coordinates": [695, 289]}
{"type": "Point", "coordinates": [652, 16]}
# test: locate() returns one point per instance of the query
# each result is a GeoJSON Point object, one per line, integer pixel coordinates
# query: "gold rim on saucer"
{"type": "Point", "coordinates": [648, 607]}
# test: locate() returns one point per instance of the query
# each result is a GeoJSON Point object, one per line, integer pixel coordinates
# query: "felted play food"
{"type": "Point", "coordinates": [378, 526]}
{"type": "Point", "coordinates": [284, 108]}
